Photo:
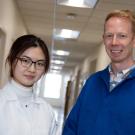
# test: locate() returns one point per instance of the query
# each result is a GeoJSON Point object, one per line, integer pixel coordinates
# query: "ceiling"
{"type": "Point", "coordinates": [42, 16]}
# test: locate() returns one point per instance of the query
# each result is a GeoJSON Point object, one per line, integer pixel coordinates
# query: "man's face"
{"type": "Point", "coordinates": [119, 40]}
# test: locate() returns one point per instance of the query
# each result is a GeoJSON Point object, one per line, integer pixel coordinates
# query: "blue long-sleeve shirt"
{"type": "Point", "coordinates": [100, 112]}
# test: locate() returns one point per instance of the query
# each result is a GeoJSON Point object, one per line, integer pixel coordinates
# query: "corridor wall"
{"type": "Point", "coordinates": [12, 26]}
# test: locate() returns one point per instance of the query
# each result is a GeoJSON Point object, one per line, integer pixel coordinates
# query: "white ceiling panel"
{"type": "Point", "coordinates": [42, 16]}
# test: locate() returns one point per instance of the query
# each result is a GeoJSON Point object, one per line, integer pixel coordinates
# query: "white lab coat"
{"type": "Point", "coordinates": [35, 119]}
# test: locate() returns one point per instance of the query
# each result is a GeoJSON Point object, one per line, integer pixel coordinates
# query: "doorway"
{"type": "Point", "coordinates": [2, 48]}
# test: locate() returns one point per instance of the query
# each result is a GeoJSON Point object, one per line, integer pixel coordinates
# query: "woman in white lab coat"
{"type": "Point", "coordinates": [21, 111]}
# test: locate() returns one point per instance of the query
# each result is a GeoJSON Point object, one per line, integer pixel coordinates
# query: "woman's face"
{"type": "Point", "coordinates": [30, 66]}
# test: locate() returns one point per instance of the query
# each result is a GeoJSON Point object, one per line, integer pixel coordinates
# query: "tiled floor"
{"type": "Point", "coordinates": [59, 116]}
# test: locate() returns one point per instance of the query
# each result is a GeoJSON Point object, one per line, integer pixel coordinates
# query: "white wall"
{"type": "Point", "coordinates": [102, 60]}
{"type": "Point", "coordinates": [12, 25]}
{"type": "Point", "coordinates": [86, 66]}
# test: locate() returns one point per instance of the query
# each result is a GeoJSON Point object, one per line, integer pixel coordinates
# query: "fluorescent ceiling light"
{"type": "Point", "coordinates": [61, 53]}
{"type": "Point", "coordinates": [78, 3]}
{"type": "Point", "coordinates": [57, 62]}
{"type": "Point", "coordinates": [65, 34]}
{"type": "Point", "coordinates": [56, 68]}
{"type": "Point", "coordinates": [55, 71]}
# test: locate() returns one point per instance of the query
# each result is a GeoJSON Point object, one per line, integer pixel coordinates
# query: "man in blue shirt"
{"type": "Point", "coordinates": [106, 104]}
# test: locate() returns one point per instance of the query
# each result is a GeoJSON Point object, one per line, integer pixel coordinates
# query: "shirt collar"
{"type": "Point", "coordinates": [123, 71]}
{"type": "Point", "coordinates": [11, 96]}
